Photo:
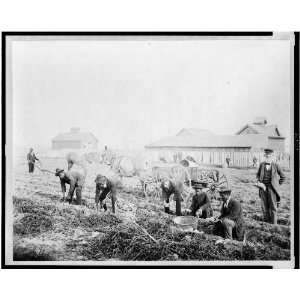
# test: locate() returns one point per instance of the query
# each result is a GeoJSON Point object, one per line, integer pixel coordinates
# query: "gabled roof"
{"type": "Point", "coordinates": [269, 130]}
{"type": "Point", "coordinates": [75, 136]}
{"type": "Point", "coordinates": [212, 141]}
{"type": "Point", "coordinates": [260, 120]}
{"type": "Point", "coordinates": [193, 131]}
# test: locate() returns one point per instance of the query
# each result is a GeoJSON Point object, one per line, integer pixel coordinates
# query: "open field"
{"type": "Point", "coordinates": [46, 229]}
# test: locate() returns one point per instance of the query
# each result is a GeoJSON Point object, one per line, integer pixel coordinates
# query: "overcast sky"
{"type": "Point", "coordinates": [130, 93]}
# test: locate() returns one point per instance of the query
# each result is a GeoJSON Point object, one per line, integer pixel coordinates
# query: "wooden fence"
{"type": "Point", "coordinates": [239, 158]}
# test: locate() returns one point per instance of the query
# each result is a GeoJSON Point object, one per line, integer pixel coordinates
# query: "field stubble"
{"type": "Point", "coordinates": [46, 229]}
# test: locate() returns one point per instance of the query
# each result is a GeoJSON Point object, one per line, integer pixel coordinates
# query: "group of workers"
{"type": "Point", "coordinates": [230, 222]}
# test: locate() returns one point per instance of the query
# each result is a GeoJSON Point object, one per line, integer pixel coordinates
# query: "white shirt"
{"type": "Point", "coordinates": [227, 202]}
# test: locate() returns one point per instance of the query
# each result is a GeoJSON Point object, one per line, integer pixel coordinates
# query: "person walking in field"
{"type": "Point", "coordinates": [269, 177]}
{"type": "Point", "coordinates": [201, 203]}
{"type": "Point", "coordinates": [105, 187]}
{"type": "Point", "coordinates": [76, 182]}
{"type": "Point", "coordinates": [169, 188]}
{"type": "Point", "coordinates": [31, 158]}
{"type": "Point", "coordinates": [254, 161]}
{"type": "Point", "coordinates": [230, 223]}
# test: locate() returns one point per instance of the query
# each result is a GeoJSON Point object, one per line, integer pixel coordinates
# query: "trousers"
{"type": "Point", "coordinates": [269, 204]}
{"type": "Point", "coordinates": [31, 167]}
{"type": "Point", "coordinates": [177, 200]}
{"type": "Point", "coordinates": [228, 226]}
{"type": "Point", "coordinates": [113, 197]}
{"type": "Point", "coordinates": [78, 192]}
{"type": "Point", "coordinates": [229, 229]}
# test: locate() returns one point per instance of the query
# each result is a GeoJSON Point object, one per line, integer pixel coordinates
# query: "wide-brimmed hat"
{"type": "Point", "coordinates": [268, 151]}
{"type": "Point", "coordinates": [224, 190]}
{"type": "Point", "coordinates": [58, 171]}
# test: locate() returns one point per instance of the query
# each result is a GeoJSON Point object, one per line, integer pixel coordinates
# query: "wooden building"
{"type": "Point", "coordinates": [211, 149]}
{"type": "Point", "coordinates": [75, 139]}
{"type": "Point", "coordinates": [271, 132]}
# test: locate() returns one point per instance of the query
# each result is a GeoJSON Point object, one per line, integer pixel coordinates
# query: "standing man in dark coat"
{"type": "Point", "coordinates": [169, 188]}
{"type": "Point", "coordinates": [31, 158]}
{"type": "Point", "coordinates": [201, 204]}
{"type": "Point", "coordinates": [104, 186]}
{"type": "Point", "coordinates": [230, 223]}
{"type": "Point", "coordinates": [269, 177]}
{"type": "Point", "coordinates": [76, 182]}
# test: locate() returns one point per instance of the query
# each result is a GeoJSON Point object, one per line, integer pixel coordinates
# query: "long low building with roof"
{"type": "Point", "coordinates": [208, 148]}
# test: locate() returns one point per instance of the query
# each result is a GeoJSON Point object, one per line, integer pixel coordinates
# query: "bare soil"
{"type": "Point", "coordinates": [45, 229]}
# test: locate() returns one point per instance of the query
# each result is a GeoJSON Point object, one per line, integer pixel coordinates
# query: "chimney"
{"type": "Point", "coordinates": [75, 129]}
{"type": "Point", "coordinates": [262, 121]}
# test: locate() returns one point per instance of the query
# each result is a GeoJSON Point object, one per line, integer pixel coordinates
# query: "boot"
{"type": "Point", "coordinates": [105, 207]}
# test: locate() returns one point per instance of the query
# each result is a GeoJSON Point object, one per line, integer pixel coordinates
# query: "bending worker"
{"type": "Point", "coordinates": [104, 186]}
{"type": "Point", "coordinates": [172, 188]}
{"type": "Point", "coordinates": [76, 182]}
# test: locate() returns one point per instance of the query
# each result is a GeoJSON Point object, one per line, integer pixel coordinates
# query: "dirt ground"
{"type": "Point", "coordinates": [47, 229]}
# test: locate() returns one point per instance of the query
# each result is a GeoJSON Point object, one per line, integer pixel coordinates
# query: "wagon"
{"type": "Point", "coordinates": [215, 179]}
{"type": "Point", "coordinates": [187, 175]}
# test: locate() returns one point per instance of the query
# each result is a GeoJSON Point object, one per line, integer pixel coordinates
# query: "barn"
{"type": "Point", "coordinates": [208, 148]}
{"type": "Point", "coordinates": [75, 139]}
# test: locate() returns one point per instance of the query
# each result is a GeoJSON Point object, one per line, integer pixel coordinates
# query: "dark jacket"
{"type": "Point", "coordinates": [234, 212]}
{"type": "Point", "coordinates": [101, 192]}
{"type": "Point", "coordinates": [31, 158]}
{"type": "Point", "coordinates": [277, 178]}
{"type": "Point", "coordinates": [74, 179]}
{"type": "Point", "coordinates": [200, 201]}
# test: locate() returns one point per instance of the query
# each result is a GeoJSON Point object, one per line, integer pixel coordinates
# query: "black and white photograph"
{"type": "Point", "coordinates": [149, 150]}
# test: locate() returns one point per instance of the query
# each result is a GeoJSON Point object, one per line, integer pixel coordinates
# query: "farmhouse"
{"type": "Point", "coordinates": [208, 148]}
{"type": "Point", "coordinates": [75, 139]}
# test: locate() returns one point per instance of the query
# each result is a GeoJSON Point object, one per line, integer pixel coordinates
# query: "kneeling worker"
{"type": "Point", "coordinates": [104, 186]}
{"type": "Point", "coordinates": [231, 219]}
{"type": "Point", "coordinates": [201, 204]}
{"type": "Point", "coordinates": [168, 188]}
{"type": "Point", "coordinates": [76, 182]}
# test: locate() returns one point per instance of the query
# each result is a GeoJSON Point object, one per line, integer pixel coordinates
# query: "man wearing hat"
{"type": "Point", "coordinates": [269, 177]}
{"type": "Point", "coordinates": [171, 187]}
{"type": "Point", "coordinates": [230, 223]}
{"type": "Point", "coordinates": [31, 158]}
{"type": "Point", "coordinates": [104, 186]}
{"type": "Point", "coordinates": [201, 204]}
{"type": "Point", "coordinates": [76, 182]}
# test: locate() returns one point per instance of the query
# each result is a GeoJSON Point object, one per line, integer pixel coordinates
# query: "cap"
{"type": "Point", "coordinates": [58, 171]}
{"type": "Point", "coordinates": [224, 190]}
{"type": "Point", "coordinates": [200, 185]}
